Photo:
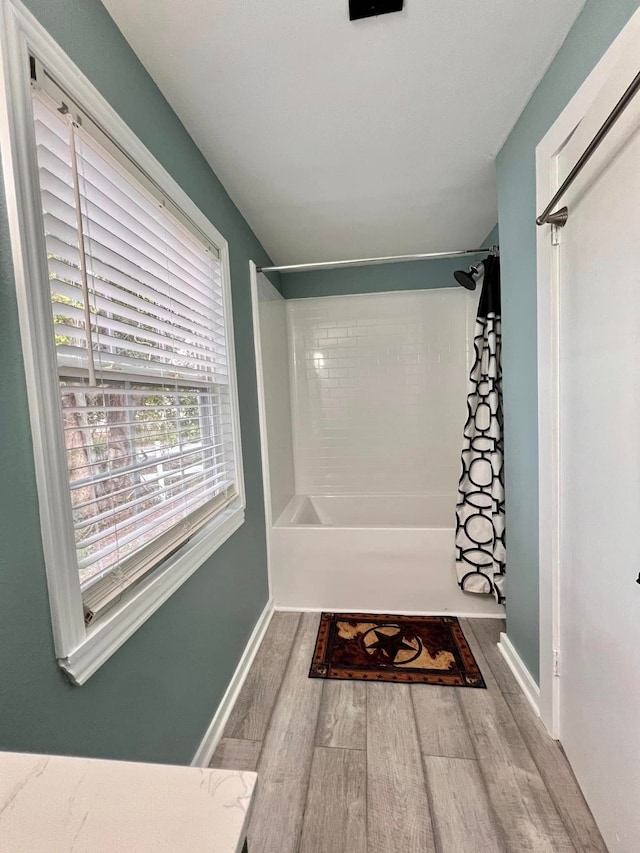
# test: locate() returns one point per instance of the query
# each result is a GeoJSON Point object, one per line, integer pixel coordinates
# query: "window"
{"type": "Point", "coordinates": [139, 447]}
{"type": "Point", "coordinates": [138, 318]}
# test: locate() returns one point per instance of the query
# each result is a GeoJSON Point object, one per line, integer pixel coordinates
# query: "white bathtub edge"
{"type": "Point", "coordinates": [371, 569]}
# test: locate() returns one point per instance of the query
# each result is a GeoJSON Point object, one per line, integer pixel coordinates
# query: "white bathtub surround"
{"type": "Point", "coordinates": [379, 383]}
{"type": "Point", "coordinates": [274, 401]}
{"type": "Point", "coordinates": [274, 396]}
{"type": "Point", "coordinates": [51, 803]}
{"type": "Point", "coordinates": [405, 511]}
{"type": "Point", "coordinates": [378, 386]}
{"type": "Point", "coordinates": [385, 553]}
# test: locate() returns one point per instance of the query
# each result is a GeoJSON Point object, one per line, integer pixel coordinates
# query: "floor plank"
{"type": "Point", "coordinates": [487, 633]}
{"type": "Point", "coordinates": [524, 809]}
{"type": "Point", "coordinates": [233, 754]}
{"type": "Point", "coordinates": [558, 777]}
{"type": "Point", "coordinates": [398, 817]}
{"type": "Point", "coordinates": [476, 648]}
{"type": "Point", "coordinates": [463, 819]}
{"type": "Point", "coordinates": [335, 813]}
{"type": "Point", "coordinates": [442, 729]}
{"type": "Point", "coordinates": [343, 715]}
{"type": "Point", "coordinates": [491, 726]}
{"type": "Point", "coordinates": [517, 793]}
{"type": "Point", "coordinates": [285, 762]}
{"type": "Point", "coordinates": [252, 711]}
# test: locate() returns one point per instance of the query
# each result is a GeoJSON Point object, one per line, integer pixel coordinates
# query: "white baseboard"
{"type": "Point", "coordinates": [212, 737]}
{"type": "Point", "coordinates": [520, 672]}
{"type": "Point", "coordinates": [388, 612]}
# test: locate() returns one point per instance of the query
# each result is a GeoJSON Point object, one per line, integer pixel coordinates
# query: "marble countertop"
{"type": "Point", "coordinates": [83, 805]}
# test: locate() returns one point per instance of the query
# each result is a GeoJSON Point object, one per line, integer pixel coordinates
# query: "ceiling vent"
{"type": "Point", "coordinates": [369, 8]}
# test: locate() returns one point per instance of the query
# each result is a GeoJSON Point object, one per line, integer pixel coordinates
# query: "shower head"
{"type": "Point", "coordinates": [465, 279]}
{"type": "Point", "coordinates": [469, 279]}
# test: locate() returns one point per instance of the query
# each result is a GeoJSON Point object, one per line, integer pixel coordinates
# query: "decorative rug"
{"type": "Point", "coordinates": [418, 649]}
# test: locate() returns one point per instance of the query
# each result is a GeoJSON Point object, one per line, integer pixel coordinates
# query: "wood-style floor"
{"type": "Point", "coordinates": [349, 767]}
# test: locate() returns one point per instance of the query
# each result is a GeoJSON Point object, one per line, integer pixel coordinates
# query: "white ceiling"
{"type": "Point", "coordinates": [339, 139]}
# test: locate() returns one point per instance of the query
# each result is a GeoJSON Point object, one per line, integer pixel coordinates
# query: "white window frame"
{"type": "Point", "coordinates": [81, 650]}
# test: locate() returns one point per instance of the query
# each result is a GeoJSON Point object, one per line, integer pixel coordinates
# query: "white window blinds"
{"type": "Point", "coordinates": [139, 321]}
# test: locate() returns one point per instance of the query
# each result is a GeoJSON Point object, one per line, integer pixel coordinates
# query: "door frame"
{"type": "Point", "coordinates": [548, 325]}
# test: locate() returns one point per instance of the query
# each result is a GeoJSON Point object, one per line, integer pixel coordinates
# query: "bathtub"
{"type": "Point", "coordinates": [386, 553]}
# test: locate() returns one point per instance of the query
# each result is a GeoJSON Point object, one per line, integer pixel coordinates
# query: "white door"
{"type": "Point", "coordinates": [599, 502]}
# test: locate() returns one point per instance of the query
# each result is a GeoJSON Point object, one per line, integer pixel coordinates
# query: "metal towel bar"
{"type": "Point", "coordinates": [560, 216]}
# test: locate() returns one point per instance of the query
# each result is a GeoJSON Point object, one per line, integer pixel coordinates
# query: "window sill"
{"type": "Point", "coordinates": [106, 637]}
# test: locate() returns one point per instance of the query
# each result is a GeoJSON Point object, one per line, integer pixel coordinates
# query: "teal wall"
{"type": "Point", "coordinates": [593, 32]}
{"type": "Point", "coordinates": [154, 699]}
{"type": "Point", "coordinates": [418, 275]}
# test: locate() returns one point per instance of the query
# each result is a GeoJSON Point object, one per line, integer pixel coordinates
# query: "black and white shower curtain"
{"type": "Point", "coordinates": [480, 544]}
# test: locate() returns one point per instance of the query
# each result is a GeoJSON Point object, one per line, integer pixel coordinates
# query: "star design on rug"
{"type": "Point", "coordinates": [391, 644]}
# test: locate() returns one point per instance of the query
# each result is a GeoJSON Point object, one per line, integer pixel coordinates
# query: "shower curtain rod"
{"type": "Point", "coordinates": [389, 259]}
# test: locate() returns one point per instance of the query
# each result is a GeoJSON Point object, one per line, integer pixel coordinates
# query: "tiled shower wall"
{"type": "Point", "coordinates": [379, 384]}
